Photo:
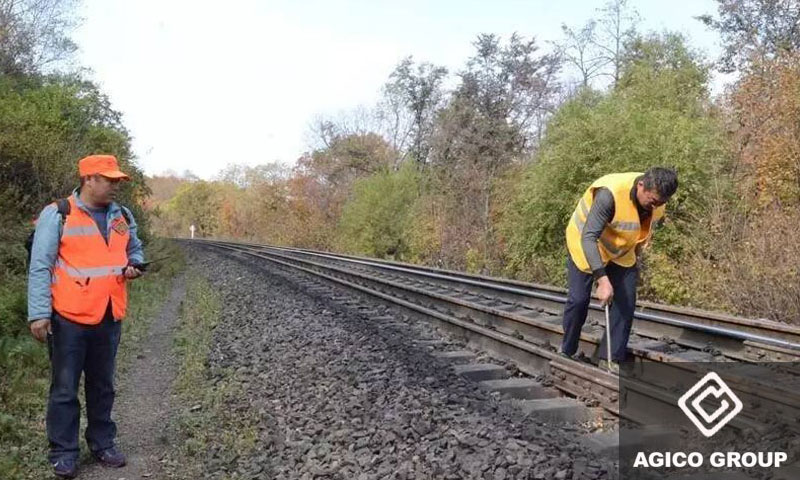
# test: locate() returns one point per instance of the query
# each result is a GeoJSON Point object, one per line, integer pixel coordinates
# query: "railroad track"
{"type": "Point", "coordinates": [521, 322]}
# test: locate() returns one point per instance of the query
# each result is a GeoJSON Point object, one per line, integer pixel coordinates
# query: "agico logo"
{"type": "Point", "coordinates": [709, 423]}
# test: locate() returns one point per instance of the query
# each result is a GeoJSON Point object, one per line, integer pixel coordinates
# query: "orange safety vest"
{"type": "Point", "coordinates": [89, 272]}
{"type": "Point", "coordinates": [619, 238]}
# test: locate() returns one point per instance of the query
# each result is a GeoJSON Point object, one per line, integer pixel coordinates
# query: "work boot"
{"type": "Point", "coordinates": [65, 468]}
{"type": "Point", "coordinates": [581, 357]}
{"type": "Point", "coordinates": [110, 457]}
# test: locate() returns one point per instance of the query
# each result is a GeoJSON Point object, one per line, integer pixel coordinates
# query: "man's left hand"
{"type": "Point", "coordinates": [132, 272]}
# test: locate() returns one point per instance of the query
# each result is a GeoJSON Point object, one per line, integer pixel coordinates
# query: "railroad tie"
{"type": "Point", "coordinates": [481, 371]}
{"type": "Point", "coordinates": [520, 388]}
{"type": "Point", "coordinates": [457, 356]}
{"type": "Point", "coordinates": [608, 444]}
{"type": "Point", "coordinates": [557, 410]}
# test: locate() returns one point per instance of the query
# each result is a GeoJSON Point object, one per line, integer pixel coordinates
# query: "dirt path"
{"type": "Point", "coordinates": [143, 400]}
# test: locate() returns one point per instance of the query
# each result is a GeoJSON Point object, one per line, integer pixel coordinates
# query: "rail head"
{"type": "Point", "coordinates": [663, 314]}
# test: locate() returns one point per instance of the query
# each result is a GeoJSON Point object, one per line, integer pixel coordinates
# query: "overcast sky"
{"type": "Point", "coordinates": [203, 84]}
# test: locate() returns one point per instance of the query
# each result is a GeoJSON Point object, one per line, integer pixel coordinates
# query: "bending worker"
{"type": "Point", "coordinates": [83, 252]}
{"type": "Point", "coordinates": [611, 224]}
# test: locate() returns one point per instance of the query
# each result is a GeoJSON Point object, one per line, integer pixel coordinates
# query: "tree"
{"type": "Point", "coordinates": [33, 34]}
{"type": "Point", "coordinates": [617, 26]}
{"type": "Point", "coordinates": [597, 49]}
{"type": "Point", "coordinates": [494, 113]}
{"type": "Point", "coordinates": [244, 176]}
{"type": "Point", "coordinates": [197, 203]}
{"type": "Point", "coordinates": [664, 71]}
{"type": "Point", "coordinates": [578, 49]}
{"type": "Point", "coordinates": [756, 243]}
{"type": "Point", "coordinates": [419, 91]}
{"type": "Point", "coordinates": [347, 157]}
{"type": "Point", "coordinates": [755, 30]}
{"type": "Point", "coordinates": [766, 107]}
{"type": "Point", "coordinates": [46, 126]}
{"type": "Point", "coordinates": [659, 114]}
{"type": "Point", "coordinates": [162, 188]}
{"type": "Point", "coordinates": [493, 119]}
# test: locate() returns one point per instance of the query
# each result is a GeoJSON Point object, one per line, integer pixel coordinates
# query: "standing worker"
{"type": "Point", "coordinates": [83, 253]}
{"type": "Point", "coordinates": [611, 224]}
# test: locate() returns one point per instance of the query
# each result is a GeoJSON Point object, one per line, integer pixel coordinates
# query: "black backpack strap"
{"type": "Point", "coordinates": [63, 207]}
{"type": "Point", "coordinates": [127, 214]}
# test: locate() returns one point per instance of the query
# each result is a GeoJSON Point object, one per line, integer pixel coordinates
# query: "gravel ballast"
{"type": "Point", "coordinates": [343, 388]}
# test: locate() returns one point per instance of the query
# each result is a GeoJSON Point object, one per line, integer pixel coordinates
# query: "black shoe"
{"type": "Point", "coordinates": [110, 457]}
{"type": "Point", "coordinates": [65, 468]}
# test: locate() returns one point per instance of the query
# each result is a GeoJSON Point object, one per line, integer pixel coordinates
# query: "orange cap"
{"type": "Point", "coordinates": [105, 165]}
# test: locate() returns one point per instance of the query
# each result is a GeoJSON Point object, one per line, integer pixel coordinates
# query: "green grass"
{"type": "Point", "coordinates": [146, 296]}
{"type": "Point", "coordinates": [205, 420]}
{"type": "Point", "coordinates": [25, 376]}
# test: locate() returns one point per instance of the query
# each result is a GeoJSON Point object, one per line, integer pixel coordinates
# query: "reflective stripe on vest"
{"type": "Point", "coordinates": [88, 273]}
{"type": "Point", "coordinates": [93, 272]}
{"type": "Point", "coordinates": [80, 231]}
{"type": "Point", "coordinates": [620, 236]}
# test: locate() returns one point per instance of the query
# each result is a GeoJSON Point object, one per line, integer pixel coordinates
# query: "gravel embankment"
{"type": "Point", "coordinates": [341, 395]}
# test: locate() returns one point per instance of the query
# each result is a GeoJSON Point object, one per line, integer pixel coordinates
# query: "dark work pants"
{"type": "Point", "coordinates": [76, 348]}
{"type": "Point", "coordinates": [623, 280]}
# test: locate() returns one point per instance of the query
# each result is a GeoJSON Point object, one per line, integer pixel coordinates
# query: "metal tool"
{"type": "Point", "coordinates": [608, 340]}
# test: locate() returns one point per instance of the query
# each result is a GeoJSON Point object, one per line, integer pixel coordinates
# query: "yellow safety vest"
{"type": "Point", "coordinates": [619, 238]}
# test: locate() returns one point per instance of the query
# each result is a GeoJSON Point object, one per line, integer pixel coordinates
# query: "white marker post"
{"type": "Point", "coordinates": [191, 229]}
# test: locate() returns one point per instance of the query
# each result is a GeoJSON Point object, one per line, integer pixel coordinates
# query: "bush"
{"type": "Point", "coordinates": [376, 217]}
{"type": "Point", "coordinates": [46, 125]}
{"type": "Point", "coordinates": [659, 114]}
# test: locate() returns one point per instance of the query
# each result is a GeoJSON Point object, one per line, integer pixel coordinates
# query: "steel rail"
{"type": "Point", "coordinates": [780, 330]}
{"type": "Point", "coordinates": [760, 324]}
{"type": "Point", "coordinates": [536, 291]}
{"type": "Point", "coordinates": [572, 377]}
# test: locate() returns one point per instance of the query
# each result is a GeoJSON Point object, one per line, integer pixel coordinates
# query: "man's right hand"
{"type": "Point", "coordinates": [605, 292]}
{"type": "Point", "coordinates": [40, 329]}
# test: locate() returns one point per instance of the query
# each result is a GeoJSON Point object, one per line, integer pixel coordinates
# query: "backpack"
{"type": "Point", "coordinates": [63, 209]}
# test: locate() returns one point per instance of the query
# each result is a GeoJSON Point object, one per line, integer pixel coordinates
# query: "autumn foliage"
{"type": "Point", "coordinates": [483, 177]}
{"type": "Point", "coordinates": [761, 238]}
